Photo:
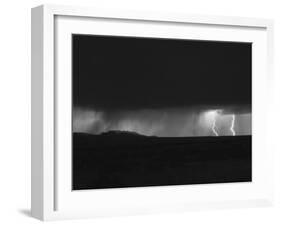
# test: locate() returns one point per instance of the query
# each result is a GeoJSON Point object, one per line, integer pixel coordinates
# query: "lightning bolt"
{"type": "Point", "coordinates": [214, 125]}
{"type": "Point", "coordinates": [232, 125]}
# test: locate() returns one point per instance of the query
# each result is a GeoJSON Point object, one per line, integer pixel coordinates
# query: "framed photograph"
{"type": "Point", "coordinates": [142, 112]}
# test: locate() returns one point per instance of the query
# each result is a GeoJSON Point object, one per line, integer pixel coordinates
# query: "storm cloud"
{"type": "Point", "coordinates": [161, 87]}
{"type": "Point", "coordinates": [162, 123]}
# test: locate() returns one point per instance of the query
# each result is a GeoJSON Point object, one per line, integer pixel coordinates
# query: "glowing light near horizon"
{"type": "Point", "coordinates": [170, 123]}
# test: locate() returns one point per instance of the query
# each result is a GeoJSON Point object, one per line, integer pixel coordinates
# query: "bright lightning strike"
{"type": "Point", "coordinates": [214, 125]}
{"type": "Point", "coordinates": [211, 117]}
{"type": "Point", "coordinates": [232, 125]}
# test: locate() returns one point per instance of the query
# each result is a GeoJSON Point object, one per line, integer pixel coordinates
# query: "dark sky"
{"type": "Point", "coordinates": [119, 74]}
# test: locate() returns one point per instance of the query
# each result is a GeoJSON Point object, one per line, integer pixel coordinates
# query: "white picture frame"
{"type": "Point", "coordinates": [52, 197]}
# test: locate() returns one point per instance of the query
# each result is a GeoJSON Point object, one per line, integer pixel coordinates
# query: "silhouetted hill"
{"type": "Point", "coordinates": [127, 138]}
{"type": "Point", "coordinates": [121, 133]}
{"type": "Point", "coordinates": [110, 138]}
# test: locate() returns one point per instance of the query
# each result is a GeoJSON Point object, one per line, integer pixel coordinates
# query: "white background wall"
{"type": "Point", "coordinates": [15, 112]}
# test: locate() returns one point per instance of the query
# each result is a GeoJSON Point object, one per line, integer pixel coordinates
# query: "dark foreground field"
{"type": "Point", "coordinates": [114, 160]}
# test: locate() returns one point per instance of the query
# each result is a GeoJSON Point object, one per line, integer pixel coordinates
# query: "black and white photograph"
{"type": "Point", "coordinates": [160, 111]}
